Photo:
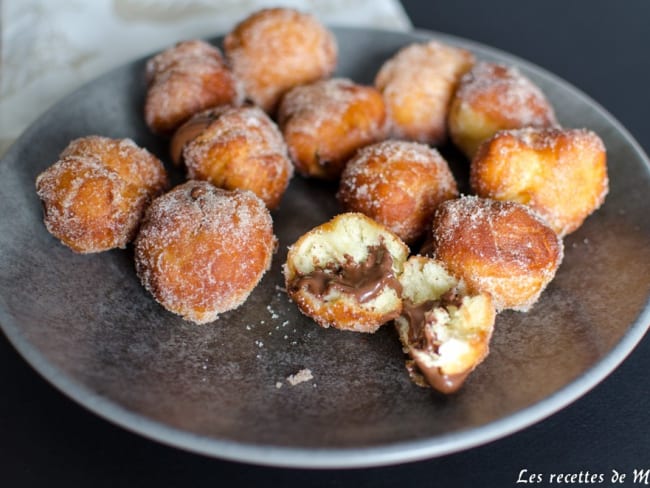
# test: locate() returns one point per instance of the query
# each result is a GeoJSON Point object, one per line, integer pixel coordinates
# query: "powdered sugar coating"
{"type": "Point", "coordinates": [274, 50]}
{"type": "Point", "coordinates": [562, 174]}
{"type": "Point", "coordinates": [192, 51]}
{"type": "Point", "coordinates": [134, 164]}
{"type": "Point", "coordinates": [185, 79]}
{"type": "Point", "coordinates": [325, 122]}
{"type": "Point", "coordinates": [492, 97]}
{"type": "Point", "coordinates": [418, 84]}
{"type": "Point", "coordinates": [95, 195]}
{"type": "Point", "coordinates": [202, 250]}
{"type": "Point", "coordinates": [549, 138]}
{"type": "Point", "coordinates": [498, 247]}
{"type": "Point", "coordinates": [322, 101]}
{"type": "Point", "coordinates": [240, 148]}
{"type": "Point", "coordinates": [399, 184]}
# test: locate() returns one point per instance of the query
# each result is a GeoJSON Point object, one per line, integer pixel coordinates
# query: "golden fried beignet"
{"type": "Point", "coordinates": [561, 174]}
{"type": "Point", "coordinates": [444, 329]}
{"type": "Point", "coordinates": [326, 122]}
{"type": "Point", "coordinates": [185, 79]}
{"type": "Point", "coordinates": [492, 97]}
{"type": "Point", "coordinates": [344, 273]}
{"type": "Point", "coordinates": [498, 247]}
{"type": "Point", "coordinates": [236, 147]}
{"type": "Point", "coordinates": [95, 195]}
{"type": "Point", "coordinates": [201, 250]}
{"type": "Point", "coordinates": [399, 184]}
{"type": "Point", "coordinates": [274, 50]}
{"type": "Point", "coordinates": [418, 84]}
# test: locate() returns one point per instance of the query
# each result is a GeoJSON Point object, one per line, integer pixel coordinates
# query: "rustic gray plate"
{"type": "Point", "coordinates": [86, 324]}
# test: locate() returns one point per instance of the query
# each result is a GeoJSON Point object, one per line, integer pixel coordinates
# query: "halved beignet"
{"type": "Point", "coordinates": [444, 328]}
{"type": "Point", "coordinates": [344, 273]}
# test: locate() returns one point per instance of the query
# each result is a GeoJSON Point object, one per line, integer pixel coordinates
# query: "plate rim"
{"type": "Point", "coordinates": [352, 457]}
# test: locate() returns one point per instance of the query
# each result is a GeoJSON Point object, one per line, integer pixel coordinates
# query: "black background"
{"type": "Point", "coordinates": [603, 48]}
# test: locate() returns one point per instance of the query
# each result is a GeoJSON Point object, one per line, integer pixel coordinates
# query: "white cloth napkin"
{"type": "Point", "coordinates": [49, 48]}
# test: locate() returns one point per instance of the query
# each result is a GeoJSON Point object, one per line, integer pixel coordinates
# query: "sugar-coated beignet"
{"type": "Point", "coordinates": [492, 97]}
{"type": "Point", "coordinates": [185, 79]}
{"type": "Point", "coordinates": [201, 250]}
{"type": "Point", "coordinates": [498, 247]}
{"type": "Point", "coordinates": [399, 184]}
{"type": "Point", "coordinates": [95, 195]}
{"type": "Point", "coordinates": [344, 273]}
{"type": "Point", "coordinates": [235, 147]}
{"type": "Point", "coordinates": [325, 122]}
{"type": "Point", "coordinates": [444, 328]}
{"type": "Point", "coordinates": [275, 49]}
{"type": "Point", "coordinates": [561, 174]}
{"type": "Point", "coordinates": [418, 84]}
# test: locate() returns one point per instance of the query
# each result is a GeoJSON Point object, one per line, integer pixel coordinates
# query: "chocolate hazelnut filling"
{"type": "Point", "coordinates": [444, 383]}
{"type": "Point", "coordinates": [422, 337]}
{"type": "Point", "coordinates": [364, 281]}
{"type": "Point", "coordinates": [187, 132]}
{"type": "Point", "coordinates": [419, 315]}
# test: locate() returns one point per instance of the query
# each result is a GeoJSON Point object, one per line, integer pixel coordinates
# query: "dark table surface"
{"type": "Point", "coordinates": [599, 46]}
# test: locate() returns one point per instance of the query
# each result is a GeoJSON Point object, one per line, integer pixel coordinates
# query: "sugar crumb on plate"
{"type": "Point", "coordinates": [300, 377]}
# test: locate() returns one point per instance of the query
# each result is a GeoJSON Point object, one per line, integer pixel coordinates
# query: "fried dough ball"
{"type": "Point", "coordinates": [418, 84]}
{"type": "Point", "coordinates": [561, 174]}
{"type": "Point", "coordinates": [326, 122]}
{"type": "Point", "coordinates": [399, 184]}
{"type": "Point", "coordinates": [95, 195]}
{"type": "Point", "coordinates": [444, 329]}
{"type": "Point", "coordinates": [274, 50]}
{"type": "Point", "coordinates": [492, 97]}
{"type": "Point", "coordinates": [344, 273]}
{"type": "Point", "coordinates": [498, 247]}
{"type": "Point", "coordinates": [202, 250]}
{"type": "Point", "coordinates": [185, 79]}
{"type": "Point", "coordinates": [235, 147]}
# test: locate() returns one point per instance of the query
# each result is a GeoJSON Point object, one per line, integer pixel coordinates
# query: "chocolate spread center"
{"type": "Point", "coordinates": [423, 338]}
{"type": "Point", "coordinates": [445, 383]}
{"type": "Point", "coordinates": [419, 315]}
{"type": "Point", "coordinates": [365, 281]}
{"type": "Point", "coordinates": [187, 132]}
{"type": "Point", "coordinates": [420, 337]}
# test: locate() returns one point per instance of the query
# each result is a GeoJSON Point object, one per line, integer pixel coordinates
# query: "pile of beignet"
{"type": "Point", "coordinates": [242, 121]}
